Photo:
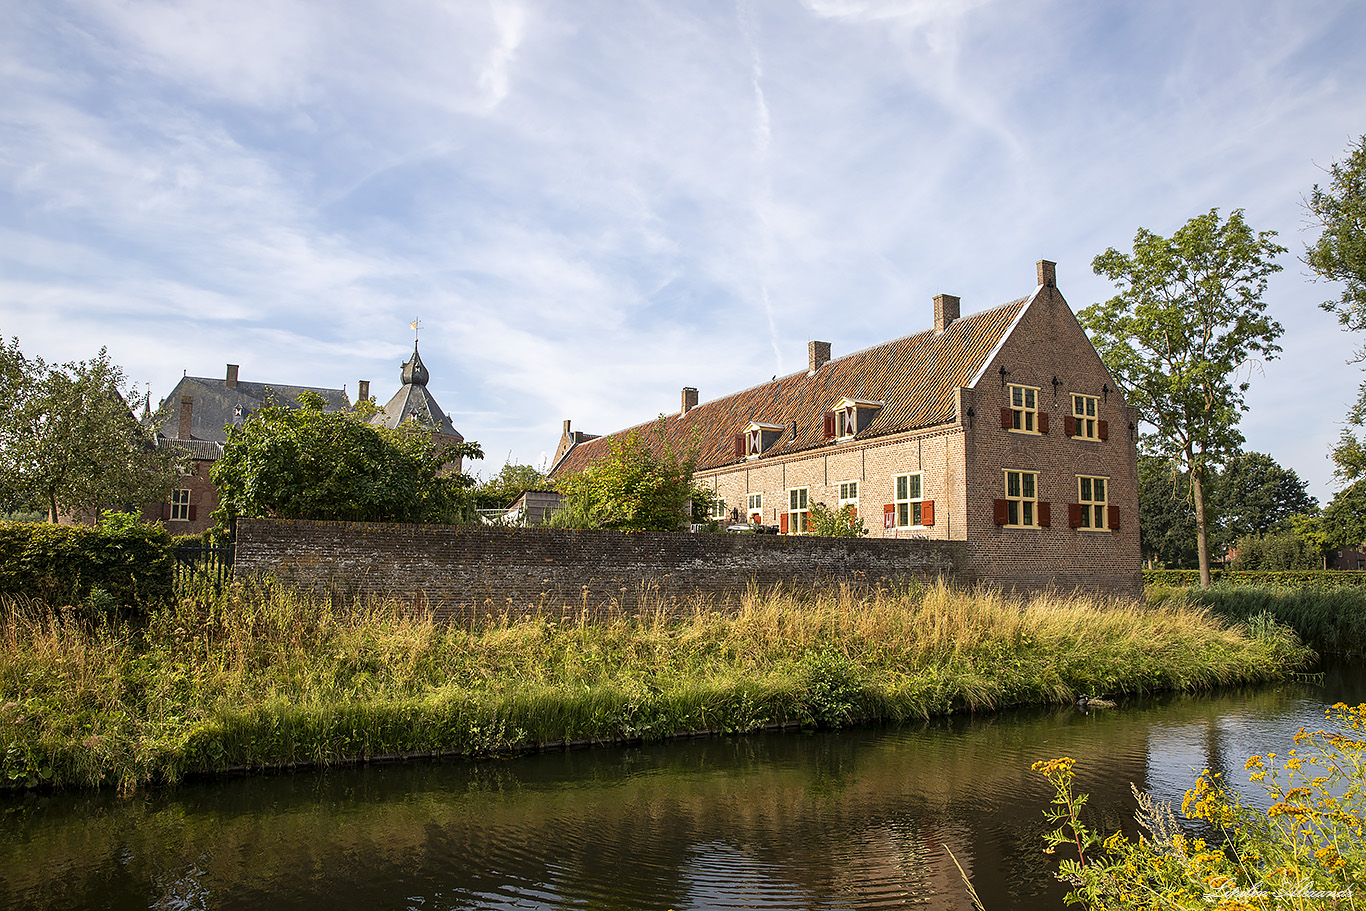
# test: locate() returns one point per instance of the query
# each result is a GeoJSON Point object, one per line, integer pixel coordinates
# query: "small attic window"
{"type": "Point", "coordinates": [756, 439]}
{"type": "Point", "coordinates": [849, 417]}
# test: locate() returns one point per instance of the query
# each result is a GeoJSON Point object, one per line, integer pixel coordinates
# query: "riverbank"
{"type": "Point", "coordinates": [263, 676]}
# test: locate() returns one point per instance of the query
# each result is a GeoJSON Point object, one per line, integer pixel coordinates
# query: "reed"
{"type": "Point", "coordinates": [263, 675]}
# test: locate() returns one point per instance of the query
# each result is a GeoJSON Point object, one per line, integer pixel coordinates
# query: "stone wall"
{"type": "Point", "coordinates": [460, 570]}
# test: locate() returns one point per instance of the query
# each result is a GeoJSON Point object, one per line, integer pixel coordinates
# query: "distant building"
{"type": "Point", "coordinates": [197, 413]}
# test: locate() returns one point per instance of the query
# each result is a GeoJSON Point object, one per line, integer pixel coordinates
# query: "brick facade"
{"type": "Point", "coordinates": [459, 570]}
{"type": "Point", "coordinates": [941, 407]}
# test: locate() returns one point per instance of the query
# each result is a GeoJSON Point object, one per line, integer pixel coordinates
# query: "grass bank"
{"type": "Point", "coordinates": [265, 676]}
{"type": "Point", "coordinates": [1330, 620]}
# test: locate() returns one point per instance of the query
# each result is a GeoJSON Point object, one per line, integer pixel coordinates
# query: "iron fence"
{"type": "Point", "coordinates": [199, 564]}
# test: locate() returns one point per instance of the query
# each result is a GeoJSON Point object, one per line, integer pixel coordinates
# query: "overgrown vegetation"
{"type": "Point", "coordinates": [1305, 850]}
{"type": "Point", "coordinates": [115, 566]}
{"type": "Point", "coordinates": [262, 675]}
{"type": "Point", "coordinates": [1328, 620]}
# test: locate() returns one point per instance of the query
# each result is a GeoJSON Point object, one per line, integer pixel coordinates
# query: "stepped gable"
{"type": "Point", "coordinates": [915, 377]}
{"type": "Point", "coordinates": [414, 401]}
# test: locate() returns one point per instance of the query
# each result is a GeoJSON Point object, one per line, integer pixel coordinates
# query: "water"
{"type": "Point", "coordinates": [858, 819]}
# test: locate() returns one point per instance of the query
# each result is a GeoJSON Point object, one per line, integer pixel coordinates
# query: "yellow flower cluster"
{"type": "Point", "coordinates": [1305, 851]}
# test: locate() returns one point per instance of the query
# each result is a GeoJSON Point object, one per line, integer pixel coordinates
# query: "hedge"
{"type": "Point", "coordinates": [1283, 580]}
{"type": "Point", "coordinates": [77, 564]}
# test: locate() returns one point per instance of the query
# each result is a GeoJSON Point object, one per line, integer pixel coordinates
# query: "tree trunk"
{"type": "Point", "coordinates": [1201, 530]}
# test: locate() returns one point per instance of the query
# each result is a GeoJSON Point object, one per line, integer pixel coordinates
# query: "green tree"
{"type": "Point", "coordinates": [1339, 255]}
{"type": "Point", "coordinates": [1344, 519]}
{"type": "Point", "coordinates": [825, 522]}
{"type": "Point", "coordinates": [68, 440]}
{"type": "Point", "coordinates": [1166, 518]}
{"type": "Point", "coordinates": [1181, 337]}
{"type": "Point", "coordinates": [503, 489]}
{"type": "Point", "coordinates": [635, 487]}
{"type": "Point", "coordinates": [307, 463]}
{"type": "Point", "coordinates": [1256, 496]}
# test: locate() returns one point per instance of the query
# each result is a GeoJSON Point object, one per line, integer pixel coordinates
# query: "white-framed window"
{"type": "Point", "coordinates": [718, 509]}
{"type": "Point", "coordinates": [909, 494]}
{"type": "Point", "coordinates": [849, 495]}
{"type": "Point", "coordinates": [754, 442]}
{"type": "Point", "coordinates": [846, 420]}
{"type": "Point", "coordinates": [1091, 497]}
{"type": "Point", "coordinates": [1024, 408]}
{"type": "Point", "coordinates": [798, 510]}
{"type": "Point", "coordinates": [180, 506]}
{"type": "Point", "coordinates": [1084, 409]}
{"type": "Point", "coordinates": [1022, 499]}
{"type": "Point", "coordinates": [755, 509]}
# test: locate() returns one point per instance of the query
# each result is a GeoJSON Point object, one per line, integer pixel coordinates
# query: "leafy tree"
{"type": "Point", "coordinates": [1339, 255]}
{"type": "Point", "coordinates": [636, 487]}
{"type": "Point", "coordinates": [503, 489]}
{"type": "Point", "coordinates": [1166, 518]}
{"type": "Point", "coordinates": [308, 463]}
{"type": "Point", "coordinates": [1276, 551]}
{"type": "Point", "coordinates": [69, 442]}
{"type": "Point", "coordinates": [1344, 519]}
{"type": "Point", "coordinates": [825, 522]}
{"type": "Point", "coordinates": [1256, 496]}
{"type": "Point", "coordinates": [1181, 335]}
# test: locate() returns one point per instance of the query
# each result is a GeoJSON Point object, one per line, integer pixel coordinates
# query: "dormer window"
{"type": "Point", "coordinates": [757, 439]}
{"type": "Point", "coordinates": [849, 417]}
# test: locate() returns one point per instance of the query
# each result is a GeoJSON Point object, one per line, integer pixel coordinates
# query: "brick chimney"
{"type": "Point", "coordinates": [689, 399]}
{"type": "Point", "coordinates": [231, 382]}
{"type": "Point", "coordinates": [1047, 273]}
{"type": "Point", "coordinates": [817, 355]}
{"type": "Point", "coordinates": [362, 390]}
{"type": "Point", "coordinates": [945, 311]}
{"type": "Point", "coordinates": [186, 413]}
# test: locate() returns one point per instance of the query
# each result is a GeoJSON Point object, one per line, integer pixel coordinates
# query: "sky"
{"type": "Point", "coordinates": [590, 205]}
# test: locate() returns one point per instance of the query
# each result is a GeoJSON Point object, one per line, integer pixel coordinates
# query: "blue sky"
{"type": "Point", "coordinates": [591, 205]}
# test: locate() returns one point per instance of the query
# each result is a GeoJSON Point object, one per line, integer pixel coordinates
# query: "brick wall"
{"type": "Point", "coordinates": [457, 570]}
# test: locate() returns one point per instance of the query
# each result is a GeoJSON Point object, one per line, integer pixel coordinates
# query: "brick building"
{"type": "Point", "coordinates": [1002, 429]}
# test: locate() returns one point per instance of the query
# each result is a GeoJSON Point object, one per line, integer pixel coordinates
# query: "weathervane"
{"type": "Point", "coordinates": [416, 324]}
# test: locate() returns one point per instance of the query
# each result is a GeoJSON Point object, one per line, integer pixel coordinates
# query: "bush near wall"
{"type": "Point", "coordinates": [77, 564]}
{"type": "Point", "coordinates": [1283, 580]}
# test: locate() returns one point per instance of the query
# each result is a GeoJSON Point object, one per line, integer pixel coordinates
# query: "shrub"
{"type": "Point", "coordinates": [68, 564]}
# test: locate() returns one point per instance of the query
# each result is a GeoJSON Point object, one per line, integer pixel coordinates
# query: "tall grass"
{"type": "Point", "coordinates": [267, 676]}
{"type": "Point", "coordinates": [1330, 620]}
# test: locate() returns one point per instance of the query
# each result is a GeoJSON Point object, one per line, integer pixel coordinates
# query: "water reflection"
{"type": "Point", "coordinates": [862, 819]}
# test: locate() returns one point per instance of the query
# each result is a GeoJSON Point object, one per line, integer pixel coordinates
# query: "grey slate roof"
{"type": "Point", "coordinates": [216, 404]}
{"type": "Point", "coordinates": [199, 450]}
{"type": "Point", "coordinates": [414, 401]}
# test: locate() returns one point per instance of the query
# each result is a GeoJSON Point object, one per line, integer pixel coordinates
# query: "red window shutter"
{"type": "Point", "coordinates": [1007, 419]}
{"type": "Point", "coordinates": [1045, 515]}
{"type": "Point", "coordinates": [782, 524]}
{"type": "Point", "coordinates": [853, 511]}
{"type": "Point", "coordinates": [739, 445]}
{"type": "Point", "coordinates": [1069, 425]}
{"type": "Point", "coordinates": [1043, 422]}
{"type": "Point", "coordinates": [1075, 514]}
{"type": "Point", "coordinates": [926, 512]}
{"type": "Point", "coordinates": [194, 511]}
{"type": "Point", "coordinates": [1000, 511]}
{"type": "Point", "coordinates": [1113, 515]}
{"type": "Point", "coordinates": [889, 515]}
{"type": "Point", "coordinates": [829, 419]}
{"type": "Point", "coordinates": [1103, 428]}
{"type": "Point", "coordinates": [165, 512]}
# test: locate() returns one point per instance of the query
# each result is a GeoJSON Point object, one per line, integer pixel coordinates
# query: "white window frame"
{"type": "Point", "coordinates": [1085, 414]}
{"type": "Point", "coordinates": [908, 491]}
{"type": "Point", "coordinates": [799, 510]}
{"type": "Point", "coordinates": [1023, 508]}
{"type": "Point", "coordinates": [180, 505]}
{"type": "Point", "coordinates": [1095, 514]}
{"type": "Point", "coordinates": [1024, 416]}
{"type": "Point", "coordinates": [846, 420]}
{"type": "Point", "coordinates": [849, 494]}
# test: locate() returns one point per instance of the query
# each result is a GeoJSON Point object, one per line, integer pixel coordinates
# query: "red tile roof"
{"type": "Point", "coordinates": [916, 378]}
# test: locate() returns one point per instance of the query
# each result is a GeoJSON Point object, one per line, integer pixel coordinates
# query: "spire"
{"type": "Point", "coordinates": [414, 373]}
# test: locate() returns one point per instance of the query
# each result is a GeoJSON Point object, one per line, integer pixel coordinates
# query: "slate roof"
{"type": "Point", "coordinates": [413, 400]}
{"type": "Point", "coordinates": [916, 377]}
{"type": "Point", "coordinates": [216, 403]}
{"type": "Point", "coordinates": [199, 450]}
